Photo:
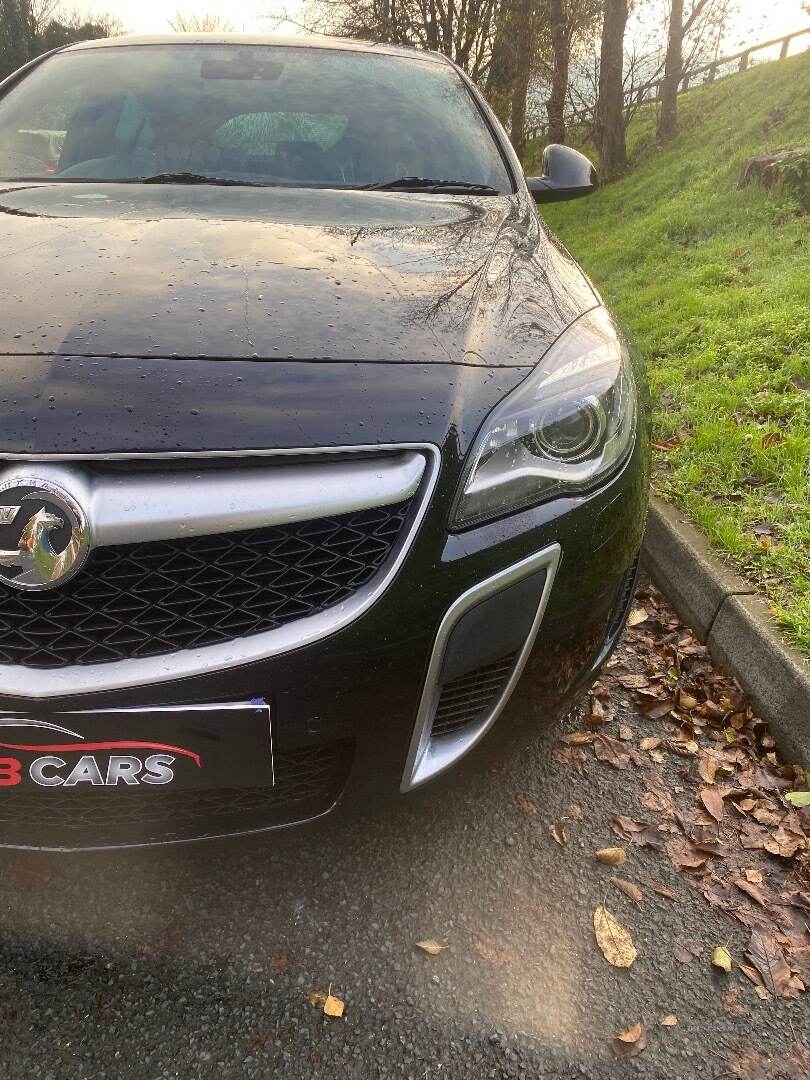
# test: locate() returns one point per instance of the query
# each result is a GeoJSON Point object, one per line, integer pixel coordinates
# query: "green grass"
{"type": "Point", "coordinates": [715, 284]}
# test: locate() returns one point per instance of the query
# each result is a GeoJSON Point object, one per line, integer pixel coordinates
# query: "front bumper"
{"type": "Point", "coordinates": [353, 712]}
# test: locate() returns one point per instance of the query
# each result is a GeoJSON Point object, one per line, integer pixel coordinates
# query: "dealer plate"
{"type": "Point", "coordinates": [161, 747]}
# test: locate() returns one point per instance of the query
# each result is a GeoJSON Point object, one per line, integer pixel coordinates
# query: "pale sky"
{"type": "Point", "coordinates": [757, 20]}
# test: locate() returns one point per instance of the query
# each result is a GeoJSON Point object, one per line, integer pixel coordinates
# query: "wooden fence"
{"type": "Point", "coordinates": [651, 91]}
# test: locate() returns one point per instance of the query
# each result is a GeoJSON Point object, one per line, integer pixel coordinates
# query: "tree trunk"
{"type": "Point", "coordinates": [561, 45]}
{"type": "Point", "coordinates": [610, 103]}
{"type": "Point", "coordinates": [673, 73]}
{"type": "Point", "coordinates": [524, 57]}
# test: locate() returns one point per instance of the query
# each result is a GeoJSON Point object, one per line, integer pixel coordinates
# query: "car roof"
{"type": "Point", "coordinates": [308, 41]}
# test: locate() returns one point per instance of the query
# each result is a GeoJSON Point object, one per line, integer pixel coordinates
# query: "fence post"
{"type": "Point", "coordinates": [712, 73]}
{"type": "Point", "coordinates": [785, 45]}
{"type": "Point", "coordinates": [744, 60]}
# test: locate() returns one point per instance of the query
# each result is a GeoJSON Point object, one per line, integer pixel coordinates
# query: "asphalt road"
{"type": "Point", "coordinates": [196, 961]}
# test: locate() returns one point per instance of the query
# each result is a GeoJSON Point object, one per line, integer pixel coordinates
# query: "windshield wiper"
{"type": "Point", "coordinates": [420, 183]}
{"type": "Point", "coordinates": [196, 178]}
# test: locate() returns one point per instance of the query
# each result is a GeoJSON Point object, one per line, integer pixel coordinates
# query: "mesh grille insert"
{"type": "Point", "coordinates": [469, 697]}
{"type": "Point", "coordinates": [152, 599]}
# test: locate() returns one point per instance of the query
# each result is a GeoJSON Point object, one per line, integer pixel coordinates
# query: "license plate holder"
{"type": "Point", "coordinates": [168, 747]}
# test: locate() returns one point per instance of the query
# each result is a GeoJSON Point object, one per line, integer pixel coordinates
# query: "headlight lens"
{"type": "Point", "coordinates": [563, 430]}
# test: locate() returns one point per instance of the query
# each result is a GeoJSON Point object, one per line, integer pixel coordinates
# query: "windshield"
{"type": "Point", "coordinates": [256, 114]}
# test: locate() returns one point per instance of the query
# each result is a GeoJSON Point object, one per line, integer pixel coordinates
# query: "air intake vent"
{"type": "Point", "coordinates": [471, 696]}
{"type": "Point", "coordinates": [623, 601]}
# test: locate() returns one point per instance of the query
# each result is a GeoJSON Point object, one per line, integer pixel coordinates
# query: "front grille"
{"type": "Point", "coordinates": [152, 599]}
{"type": "Point", "coordinates": [470, 697]}
{"type": "Point", "coordinates": [308, 782]}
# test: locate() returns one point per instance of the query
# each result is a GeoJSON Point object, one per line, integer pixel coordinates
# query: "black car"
{"type": "Point", "coordinates": [314, 440]}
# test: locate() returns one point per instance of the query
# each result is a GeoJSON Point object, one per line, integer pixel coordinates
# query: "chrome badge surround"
{"type": "Point", "coordinates": [41, 566]}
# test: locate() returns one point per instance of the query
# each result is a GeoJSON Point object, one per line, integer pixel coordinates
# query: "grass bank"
{"type": "Point", "coordinates": [715, 284]}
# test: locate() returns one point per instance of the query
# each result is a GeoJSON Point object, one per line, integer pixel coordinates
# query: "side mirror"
{"type": "Point", "coordinates": [567, 174]}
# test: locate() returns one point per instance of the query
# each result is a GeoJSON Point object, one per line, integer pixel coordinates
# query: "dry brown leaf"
{"type": "Point", "coordinates": [317, 998]}
{"type": "Point", "coordinates": [527, 806]}
{"type": "Point", "coordinates": [707, 768]}
{"type": "Point", "coordinates": [713, 801]}
{"type": "Point", "coordinates": [686, 701]}
{"type": "Point", "coordinates": [662, 890]}
{"type": "Point", "coordinates": [637, 616]}
{"type": "Point", "coordinates": [650, 743]}
{"type": "Point", "coordinates": [612, 938]}
{"type": "Point", "coordinates": [614, 752]}
{"type": "Point", "coordinates": [669, 1021]}
{"type": "Point", "coordinates": [611, 856]}
{"type": "Point", "coordinates": [559, 833]}
{"type": "Point", "coordinates": [767, 957]}
{"type": "Point", "coordinates": [754, 876]}
{"type": "Point", "coordinates": [629, 889]}
{"type": "Point", "coordinates": [751, 890]}
{"type": "Point", "coordinates": [574, 811]}
{"type": "Point", "coordinates": [658, 757]}
{"type": "Point", "coordinates": [432, 948]}
{"type": "Point", "coordinates": [632, 1042]}
{"type": "Point", "coordinates": [625, 733]}
{"type": "Point", "coordinates": [333, 1007]}
{"type": "Point", "coordinates": [632, 682]}
{"type": "Point", "coordinates": [685, 950]}
{"type": "Point", "coordinates": [578, 738]}
{"type": "Point", "coordinates": [731, 1002]}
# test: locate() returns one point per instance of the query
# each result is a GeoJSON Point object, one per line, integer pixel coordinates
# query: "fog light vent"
{"type": "Point", "coordinates": [468, 698]}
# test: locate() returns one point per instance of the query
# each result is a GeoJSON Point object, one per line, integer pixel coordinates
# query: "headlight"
{"type": "Point", "coordinates": [563, 430]}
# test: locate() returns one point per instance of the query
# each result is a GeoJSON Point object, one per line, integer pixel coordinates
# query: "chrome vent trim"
{"type": "Point", "coordinates": [43, 684]}
{"type": "Point", "coordinates": [430, 755]}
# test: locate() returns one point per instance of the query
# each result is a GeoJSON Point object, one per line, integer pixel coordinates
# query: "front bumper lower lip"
{"type": "Point", "coordinates": [430, 756]}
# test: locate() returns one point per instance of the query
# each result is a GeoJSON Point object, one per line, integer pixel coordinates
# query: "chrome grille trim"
{"type": "Point", "coordinates": [43, 684]}
{"type": "Point", "coordinates": [179, 503]}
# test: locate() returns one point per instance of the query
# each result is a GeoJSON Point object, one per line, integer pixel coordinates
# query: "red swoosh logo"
{"type": "Point", "coordinates": [74, 747]}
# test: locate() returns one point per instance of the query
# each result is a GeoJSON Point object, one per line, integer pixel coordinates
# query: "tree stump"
{"type": "Point", "coordinates": [766, 167]}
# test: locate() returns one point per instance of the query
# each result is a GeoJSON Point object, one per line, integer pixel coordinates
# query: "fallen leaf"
{"type": "Point", "coordinates": [713, 801]}
{"type": "Point", "coordinates": [559, 833]}
{"type": "Point", "coordinates": [574, 811]}
{"type": "Point", "coordinates": [687, 701]}
{"type": "Point", "coordinates": [333, 1007]}
{"type": "Point", "coordinates": [632, 1042]}
{"type": "Point", "coordinates": [578, 738]}
{"type": "Point", "coordinates": [317, 998]}
{"type": "Point", "coordinates": [798, 798]}
{"type": "Point", "coordinates": [669, 1021]}
{"type": "Point", "coordinates": [686, 950]}
{"type": "Point", "coordinates": [432, 948]}
{"type": "Point", "coordinates": [625, 733]}
{"type": "Point", "coordinates": [751, 890]}
{"type": "Point", "coordinates": [633, 682]}
{"type": "Point", "coordinates": [784, 843]}
{"type": "Point", "coordinates": [612, 856]}
{"type": "Point", "coordinates": [279, 961]}
{"type": "Point", "coordinates": [650, 744]}
{"type": "Point", "coordinates": [754, 876]}
{"type": "Point", "coordinates": [527, 806]}
{"type": "Point", "coordinates": [731, 1002]}
{"type": "Point", "coordinates": [707, 768]}
{"type": "Point", "coordinates": [658, 757]}
{"type": "Point", "coordinates": [612, 938]}
{"type": "Point", "coordinates": [721, 958]}
{"type": "Point", "coordinates": [767, 957]}
{"type": "Point", "coordinates": [637, 616]}
{"type": "Point", "coordinates": [613, 752]}
{"type": "Point", "coordinates": [662, 890]}
{"type": "Point", "coordinates": [659, 709]}
{"type": "Point", "coordinates": [629, 889]}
